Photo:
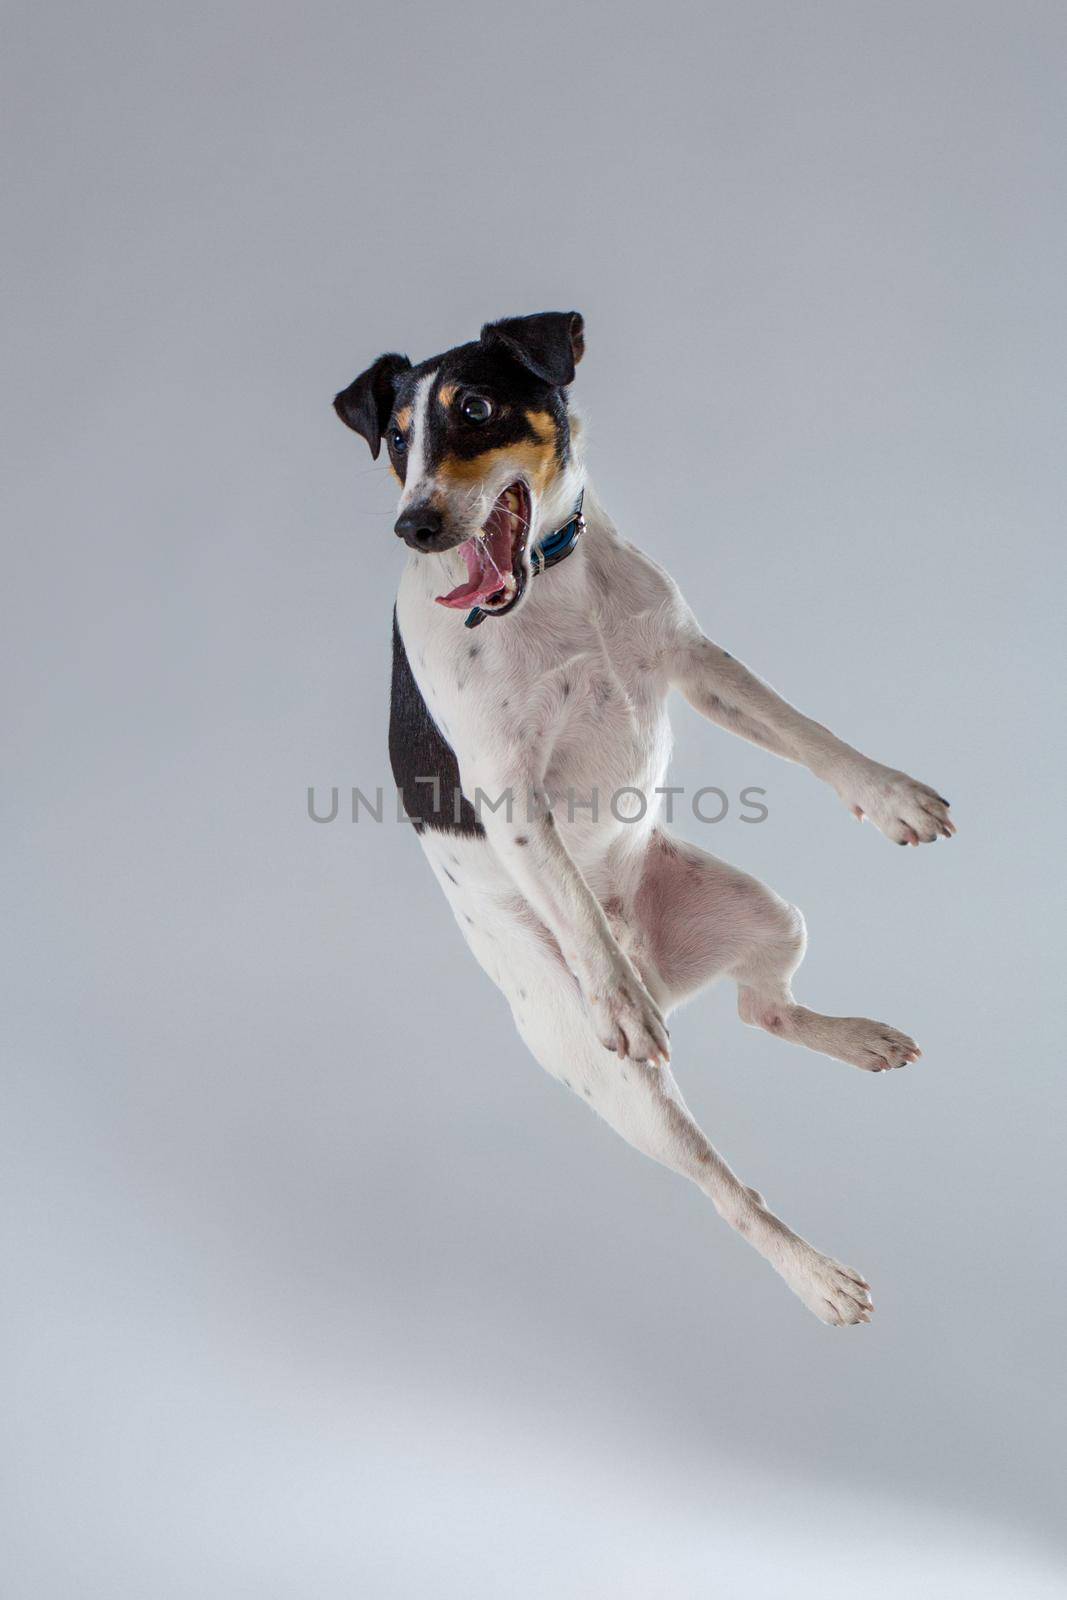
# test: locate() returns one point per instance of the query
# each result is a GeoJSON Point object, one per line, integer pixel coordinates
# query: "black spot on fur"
{"type": "Point", "coordinates": [449, 876]}
{"type": "Point", "coordinates": [521, 839]}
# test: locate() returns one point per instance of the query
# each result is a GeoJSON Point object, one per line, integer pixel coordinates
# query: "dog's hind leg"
{"type": "Point", "coordinates": [702, 918]}
{"type": "Point", "coordinates": [645, 1106]}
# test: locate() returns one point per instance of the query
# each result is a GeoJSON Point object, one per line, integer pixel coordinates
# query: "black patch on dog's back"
{"type": "Point", "coordinates": [417, 750]}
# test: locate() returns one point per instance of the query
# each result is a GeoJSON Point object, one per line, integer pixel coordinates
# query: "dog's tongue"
{"type": "Point", "coordinates": [488, 565]}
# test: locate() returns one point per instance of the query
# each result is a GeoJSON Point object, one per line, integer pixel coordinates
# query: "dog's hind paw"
{"type": "Point", "coordinates": [872, 1046]}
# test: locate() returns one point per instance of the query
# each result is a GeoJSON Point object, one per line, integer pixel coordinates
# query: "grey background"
{"type": "Point", "coordinates": [314, 1285]}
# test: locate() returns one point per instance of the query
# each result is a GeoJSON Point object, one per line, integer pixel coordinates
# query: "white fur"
{"type": "Point", "coordinates": [594, 929]}
{"type": "Point", "coordinates": [415, 484]}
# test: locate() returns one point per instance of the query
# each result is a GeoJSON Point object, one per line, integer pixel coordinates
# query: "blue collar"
{"type": "Point", "coordinates": [547, 553]}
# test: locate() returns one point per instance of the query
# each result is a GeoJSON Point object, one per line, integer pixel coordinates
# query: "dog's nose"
{"type": "Point", "coordinates": [422, 527]}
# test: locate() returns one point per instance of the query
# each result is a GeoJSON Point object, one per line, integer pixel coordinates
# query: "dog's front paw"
{"type": "Point", "coordinates": [628, 1020]}
{"type": "Point", "coordinates": [836, 1294]}
{"type": "Point", "coordinates": [905, 811]}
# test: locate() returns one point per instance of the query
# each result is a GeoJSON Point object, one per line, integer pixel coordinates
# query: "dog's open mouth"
{"type": "Point", "coordinates": [496, 570]}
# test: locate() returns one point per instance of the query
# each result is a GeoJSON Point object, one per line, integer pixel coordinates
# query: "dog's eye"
{"type": "Point", "coordinates": [397, 440]}
{"type": "Point", "coordinates": [476, 408]}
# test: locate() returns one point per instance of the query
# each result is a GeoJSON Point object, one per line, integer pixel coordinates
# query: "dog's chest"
{"type": "Point", "coordinates": [562, 702]}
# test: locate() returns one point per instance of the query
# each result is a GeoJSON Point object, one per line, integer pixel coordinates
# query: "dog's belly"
{"type": "Point", "coordinates": [607, 762]}
{"type": "Point", "coordinates": [603, 783]}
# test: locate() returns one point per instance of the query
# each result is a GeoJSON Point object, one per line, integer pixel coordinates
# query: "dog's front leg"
{"type": "Point", "coordinates": [518, 821]}
{"type": "Point", "coordinates": [726, 692]}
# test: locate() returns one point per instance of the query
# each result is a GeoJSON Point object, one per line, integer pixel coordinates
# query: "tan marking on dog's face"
{"type": "Point", "coordinates": [537, 462]}
{"type": "Point", "coordinates": [543, 425]}
{"type": "Point", "coordinates": [447, 393]}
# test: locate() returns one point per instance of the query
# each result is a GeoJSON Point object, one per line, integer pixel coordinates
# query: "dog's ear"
{"type": "Point", "coordinates": [365, 405]}
{"type": "Point", "coordinates": [549, 344]}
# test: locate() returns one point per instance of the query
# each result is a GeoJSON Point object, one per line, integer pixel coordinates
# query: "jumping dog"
{"type": "Point", "coordinates": [533, 652]}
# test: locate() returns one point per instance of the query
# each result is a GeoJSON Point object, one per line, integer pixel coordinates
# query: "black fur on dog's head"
{"type": "Point", "coordinates": [477, 437]}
